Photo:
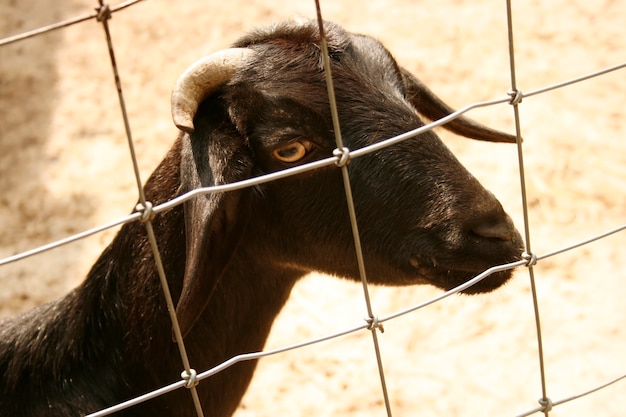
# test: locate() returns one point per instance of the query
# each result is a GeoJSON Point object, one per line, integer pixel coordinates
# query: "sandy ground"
{"type": "Point", "coordinates": [64, 167]}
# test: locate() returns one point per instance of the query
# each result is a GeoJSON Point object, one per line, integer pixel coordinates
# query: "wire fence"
{"type": "Point", "coordinates": [145, 213]}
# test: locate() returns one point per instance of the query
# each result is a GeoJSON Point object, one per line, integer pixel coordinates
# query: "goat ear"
{"type": "Point", "coordinates": [433, 108]}
{"type": "Point", "coordinates": [213, 222]}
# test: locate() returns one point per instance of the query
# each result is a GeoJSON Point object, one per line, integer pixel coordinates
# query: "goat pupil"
{"type": "Point", "coordinates": [286, 153]}
{"type": "Point", "coordinates": [290, 153]}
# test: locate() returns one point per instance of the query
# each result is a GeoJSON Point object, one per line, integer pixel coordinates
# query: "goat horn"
{"type": "Point", "coordinates": [201, 79]}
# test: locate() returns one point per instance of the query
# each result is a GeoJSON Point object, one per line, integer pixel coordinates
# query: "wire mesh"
{"type": "Point", "coordinates": [546, 403]}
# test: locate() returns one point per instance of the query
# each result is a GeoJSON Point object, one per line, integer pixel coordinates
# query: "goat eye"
{"type": "Point", "coordinates": [292, 152]}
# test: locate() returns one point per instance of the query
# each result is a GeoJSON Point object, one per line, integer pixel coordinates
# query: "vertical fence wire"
{"type": "Point", "coordinates": [145, 207]}
{"type": "Point", "coordinates": [343, 155]}
{"type": "Point", "coordinates": [516, 99]}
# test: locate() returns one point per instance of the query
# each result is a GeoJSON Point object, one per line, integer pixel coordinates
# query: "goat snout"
{"type": "Point", "coordinates": [479, 237]}
{"type": "Point", "coordinates": [490, 233]}
{"type": "Point", "coordinates": [493, 240]}
{"type": "Point", "coordinates": [497, 226]}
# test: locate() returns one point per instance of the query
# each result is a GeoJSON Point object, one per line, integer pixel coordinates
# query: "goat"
{"type": "Point", "coordinates": [232, 258]}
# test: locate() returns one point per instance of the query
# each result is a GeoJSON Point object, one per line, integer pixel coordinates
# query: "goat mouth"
{"type": "Point", "coordinates": [447, 278]}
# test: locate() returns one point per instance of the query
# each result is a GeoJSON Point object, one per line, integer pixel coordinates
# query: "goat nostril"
{"type": "Point", "coordinates": [501, 230]}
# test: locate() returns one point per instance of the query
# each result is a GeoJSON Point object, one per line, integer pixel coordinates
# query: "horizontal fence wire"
{"type": "Point", "coordinates": [285, 173]}
{"type": "Point", "coordinates": [513, 98]}
{"type": "Point", "coordinates": [573, 397]}
{"type": "Point", "coordinates": [66, 23]}
{"type": "Point", "coordinates": [259, 355]}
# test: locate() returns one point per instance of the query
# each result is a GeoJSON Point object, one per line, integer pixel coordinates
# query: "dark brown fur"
{"type": "Point", "coordinates": [233, 258]}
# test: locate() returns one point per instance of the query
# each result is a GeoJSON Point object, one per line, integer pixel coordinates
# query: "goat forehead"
{"type": "Point", "coordinates": [370, 57]}
{"type": "Point", "coordinates": [362, 79]}
{"type": "Point", "coordinates": [369, 90]}
{"type": "Point", "coordinates": [287, 54]}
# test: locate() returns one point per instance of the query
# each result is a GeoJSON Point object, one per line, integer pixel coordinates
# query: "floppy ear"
{"type": "Point", "coordinates": [213, 153]}
{"type": "Point", "coordinates": [433, 108]}
{"type": "Point", "coordinates": [213, 222]}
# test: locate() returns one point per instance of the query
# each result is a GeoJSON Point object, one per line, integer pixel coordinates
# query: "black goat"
{"type": "Point", "coordinates": [233, 258]}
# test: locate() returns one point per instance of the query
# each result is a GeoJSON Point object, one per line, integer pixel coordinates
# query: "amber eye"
{"type": "Point", "coordinates": [292, 152]}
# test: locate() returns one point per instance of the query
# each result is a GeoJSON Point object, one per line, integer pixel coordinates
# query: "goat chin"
{"type": "Point", "coordinates": [232, 258]}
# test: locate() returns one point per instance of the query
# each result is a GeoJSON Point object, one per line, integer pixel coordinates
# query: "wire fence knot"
{"type": "Point", "coordinates": [190, 378]}
{"type": "Point", "coordinates": [344, 156]}
{"type": "Point", "coordinates": [546, 404]}
{"type": "Point", "coordinates": [104, 12]}
{"type": "Point", "coordinates": [530, 258]}
{"type": "Point", "coordinates": [147, 212]}
{"type": "Point", "coordinates": [374, 324]}
{"type": "Point", "coordinates": [516, 97]}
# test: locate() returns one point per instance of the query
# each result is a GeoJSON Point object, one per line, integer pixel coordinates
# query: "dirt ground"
{"type": "Point", "coordinates": [64, 167]}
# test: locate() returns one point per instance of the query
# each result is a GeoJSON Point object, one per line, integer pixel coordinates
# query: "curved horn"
{"type": "Point", "coordinates": [201, 79]}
